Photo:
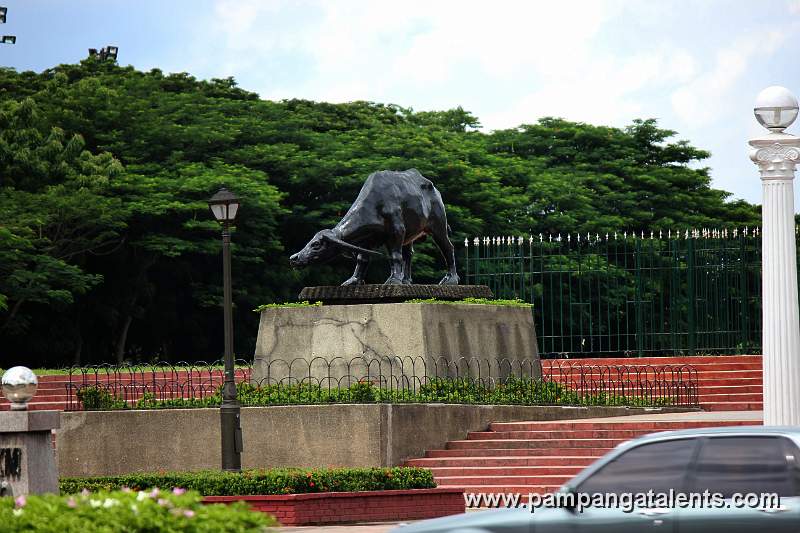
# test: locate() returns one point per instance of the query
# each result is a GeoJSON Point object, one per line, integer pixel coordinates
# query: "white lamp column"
{"type": "Point", "coordinates": [776, 155]}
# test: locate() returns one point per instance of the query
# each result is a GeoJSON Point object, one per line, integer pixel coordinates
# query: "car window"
{"type": "Point", "coordinates": [745, 464]}
{"type": "Point", "coordinates": [659, 467]}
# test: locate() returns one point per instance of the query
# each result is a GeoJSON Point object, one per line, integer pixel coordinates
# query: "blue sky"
{"type": "Point", "coordinates": [694, 65]}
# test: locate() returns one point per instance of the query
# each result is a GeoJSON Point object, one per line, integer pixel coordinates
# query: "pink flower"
{"type": "Point", "coordinates": [21, 501]}
{"type": "Point", "coordinates": [177, 491]}
{"type": "Point", "coordinates": [154, 492]}
{"type": "Point", "coordinates": [71, 503]}
{"type": "Point", "coordinates": [125, 489]}
{"type": "Point", "coordinates": [164, 503]}
{"type": "Point", "coordinates": [85, 492]}
{"type": "Point", "coordinates": [188, 513]}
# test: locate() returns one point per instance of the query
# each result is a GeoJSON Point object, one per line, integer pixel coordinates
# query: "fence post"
{"type": "Point", "coordinates": [744, 300]}
{"type": "Point", "coordinates": [691, 323]}
{"type": "Point", "coordinates": [466, 260]}
{"type": "Point", "coordinates": [638, 301]}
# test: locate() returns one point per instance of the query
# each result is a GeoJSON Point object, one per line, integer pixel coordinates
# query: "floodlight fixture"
{"type": "Point", "coordinates": [8, 39]}
{"type": "Point", "coordinates": [109, 52]}
{"type": "Point", "coordinates": [3, 13]}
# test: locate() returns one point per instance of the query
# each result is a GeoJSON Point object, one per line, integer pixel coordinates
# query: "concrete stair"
{"type": "Point", "coordinates": [725, 382]}
{"type": "Point", "coordinates": [54, 391]}
{"type": "Point", "coordinates": [536, 457]}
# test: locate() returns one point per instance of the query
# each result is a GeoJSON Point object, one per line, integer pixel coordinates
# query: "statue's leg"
{"type": "Point", "coordinates": [394, 244]}
{"type": "Point", "coordinates": [448, 251]}
{"type": "Point", "coordinates": [362, 262]}
{"type": "Point", "coordinates": [408, 252]}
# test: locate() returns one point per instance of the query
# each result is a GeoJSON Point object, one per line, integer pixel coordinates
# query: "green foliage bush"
{"type": "Point", "coordinates": [511, 391]}
{"type": "Point", "coordinates": [253, 482]}
{"type": "Point", "coordinates": [304, 303]}
{"type": "Point", "coordinates": [98, 398]}
{"type": "Point", "coordinates": [126, 511]}
{"type": "Point", "coordinates": [474, 301]}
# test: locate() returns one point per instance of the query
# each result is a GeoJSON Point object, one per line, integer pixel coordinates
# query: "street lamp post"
{"type": "Point", "coordinates": [776, 155]}
{"type": "Point", "coordinates": [224, 205]}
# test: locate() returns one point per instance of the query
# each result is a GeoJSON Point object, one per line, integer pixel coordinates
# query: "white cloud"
{"type": "Point", "coordinates": [542, 54]}
{"type": "Point", "coordinates": [511, 62]}
{"type": "Point", "coordinates": [704, 99]}
{"type": "Point", "coordinates": [615, 95]}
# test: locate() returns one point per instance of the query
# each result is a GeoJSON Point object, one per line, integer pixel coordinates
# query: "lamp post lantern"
{"type": "Point", "coordinates": [776, 154]}
{"type": "Point", "coordinates": [224, 206]}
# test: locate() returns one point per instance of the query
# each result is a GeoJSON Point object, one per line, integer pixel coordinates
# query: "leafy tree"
{"type": "Point", "coordinates": [108, 252]}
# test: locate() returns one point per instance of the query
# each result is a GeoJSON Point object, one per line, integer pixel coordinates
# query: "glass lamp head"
{"type": "Point", "coordinates": [776, 108]}
{"type": "Point", "coordinates": [224, 206]}
{"type": "Point", "coordinates": [19, 386]}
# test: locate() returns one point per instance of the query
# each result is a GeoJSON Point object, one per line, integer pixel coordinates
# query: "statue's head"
{"type": "Point", "coordinates": [323, 247]}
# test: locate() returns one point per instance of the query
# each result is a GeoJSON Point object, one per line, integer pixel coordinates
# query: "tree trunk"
{"type": "Point", "coordinates": [76, 358]}
{"type": "Point", "coordinates": [123, 338]}
{"type": "Point", "coordinates": [13, 313]}
{"type": "Point", "coordinates": [141, 281]}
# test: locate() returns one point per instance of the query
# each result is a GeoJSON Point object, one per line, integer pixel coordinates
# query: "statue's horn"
{"type": "Point", "coordinates": [353, 247]}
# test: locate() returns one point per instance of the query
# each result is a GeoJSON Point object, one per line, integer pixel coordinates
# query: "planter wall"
{"type": "Point", "coordinates": [97, 444]}
{"type": "Point", "coordinates": [346, 507]}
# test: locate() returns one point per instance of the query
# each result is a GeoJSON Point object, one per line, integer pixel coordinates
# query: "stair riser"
{"type": "Point", "coordinates": [585, 367]}
{"type": "Point", "coordinates": [636, 426]}
{"type": "Point", "coordinates": [517, 452]}
{"type": "Point", "coordinates": [690, 359]}
{"type": "Point", "coordinates": [742, 398]}
{"type": "Point", "coordinates": [439, 472]}
{"type": "Point", "coordinates": [503, 480]}
{"type": "Point", "coordinates": [576, 434]}
{"type": "Point", "coordinates": [524, 444]}
{"type": "Point", "coordinates": [504, 462]}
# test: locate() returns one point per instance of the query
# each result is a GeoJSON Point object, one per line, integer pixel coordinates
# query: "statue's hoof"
{"type": "Point", "coordinates": [407, 281]}
{"type": "Point", "coordinates": [449, 280]}
{"type": "Point", "coordinates": [393, 281]}
{"type": "Point", "coordinates": [353, 281]}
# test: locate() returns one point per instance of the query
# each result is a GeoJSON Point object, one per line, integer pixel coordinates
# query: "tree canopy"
{"type": "Point", "coordinates": [108, 251]}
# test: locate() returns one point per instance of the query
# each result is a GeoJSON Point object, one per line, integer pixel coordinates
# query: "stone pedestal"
{"type": "Point", "coordinates": [395, 344]}
{"type": "Point", "coordinates": [27, 459]}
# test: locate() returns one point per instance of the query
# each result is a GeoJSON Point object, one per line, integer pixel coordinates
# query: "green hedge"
{"type": "Point", "coordinates": [514, 391]}
{"type": "Point", "coordinates": [249, 482]}
{"type": "Point", "coordinates": [111, 512]}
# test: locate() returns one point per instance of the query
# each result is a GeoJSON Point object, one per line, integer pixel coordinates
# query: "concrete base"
{"type": "Point", "coordinates": [342, 344]}
{"type": "Point", "coordinates": [30, 433]}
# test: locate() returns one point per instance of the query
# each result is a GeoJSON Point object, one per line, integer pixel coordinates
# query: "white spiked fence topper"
{"type": "Point", "coordinates": [589, 238]}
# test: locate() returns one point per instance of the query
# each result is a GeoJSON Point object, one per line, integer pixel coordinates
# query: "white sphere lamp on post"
{"type": "Point", "coordinates": [776, 154]}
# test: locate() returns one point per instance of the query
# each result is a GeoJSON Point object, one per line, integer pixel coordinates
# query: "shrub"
{"type": "Point", "coordinates": [472, 301]}
{"type": "Point", "coordinates": [250, 482]}
{"type": "Point", "coordinates": [304, 303]}
{"type": "Point", "coordinates": [99, 398]}
{"type": "Point", "coordinates": [511, 391]}
{"type": "Point", "coordinates": [127, 511]}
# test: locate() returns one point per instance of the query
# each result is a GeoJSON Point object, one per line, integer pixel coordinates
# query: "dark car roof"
{"type": "Point", "coordinates": [789, 431]}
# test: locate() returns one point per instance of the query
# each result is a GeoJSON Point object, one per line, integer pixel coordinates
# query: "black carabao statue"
{"type": "Point", "coordinates": [393, 209]}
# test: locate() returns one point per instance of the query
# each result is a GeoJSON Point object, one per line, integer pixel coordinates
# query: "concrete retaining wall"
{"type": "Point", "coordinates": [362, 435]}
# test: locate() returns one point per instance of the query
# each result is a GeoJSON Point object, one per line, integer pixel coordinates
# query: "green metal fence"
{"type": "Point", "coordinates": [698, 291]}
